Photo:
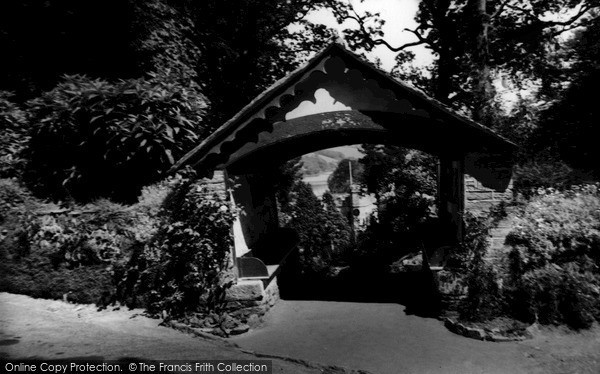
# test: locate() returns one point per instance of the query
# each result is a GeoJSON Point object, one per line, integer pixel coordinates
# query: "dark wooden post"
{"type": "Point", "coordinates": [451, 197]}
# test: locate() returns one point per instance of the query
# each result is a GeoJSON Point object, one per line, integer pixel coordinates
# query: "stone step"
{"type": "Point", "coordinates": [497, 233]}
{"type": "Point", "coordinates": [497, 242]}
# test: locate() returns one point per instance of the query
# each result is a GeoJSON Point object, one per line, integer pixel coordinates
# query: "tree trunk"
{"type": "Point", "coordinates": [484, 91]}
{"type": "Point", "coordinates": [445, 61]}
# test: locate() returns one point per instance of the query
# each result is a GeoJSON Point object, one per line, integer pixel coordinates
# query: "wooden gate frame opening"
{"type": "Point", "coordinates": [337, 99]}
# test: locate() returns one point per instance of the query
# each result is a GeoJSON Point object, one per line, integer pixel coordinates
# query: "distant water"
{"type": "Point", "coordinates": [318, 183]}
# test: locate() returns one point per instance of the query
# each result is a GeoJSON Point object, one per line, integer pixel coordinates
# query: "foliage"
{"type": "Point", "coordinates": [92, 37]}
{"type": "Point", "coordinates": [169, 252]}
{"type": "Point", "coordinates": [560, 295]}
{"type": "Point", "coordinates": [285, 177]}
{"type": "Point", "coordinates": [404, 183]}
{"type": "Point", "coordinates": [165, 41]}
{"type": "Point", "coordinates": [468, 37]}
{"type": "Point", "coordinates": [339, 180]}
{"type": "Point", "coordinates": [543, 173]}
{"type": "Point", "coordinates": [337, 228]}
{"type": "Point", "coordinates": [558, 227]}
{"type": "Point", "coordinates": [50, 251]}
{"type": "Point", "coordinates": [152, 196]}
{"type": "Point", "coordinates": [484, 299]}
{"type": "Point", "coordinates": [307, 219]}
{"type": "Point", "coordinates": [13, 136]}
{"type": "Point", "coordinates": [474, 245]}
{"type": "Point", "coordinates": [187, 261]}
{"type": "Point", "coordinates": [555, 255]}
{"type": "Point", "coordinates": [324, 234]}
{"type": "Point", "coordinates": [570, 125]}
{"type": "Point", "coordinates": [91, 138]}
{"type": "Point", "coordinates": [14, 199]}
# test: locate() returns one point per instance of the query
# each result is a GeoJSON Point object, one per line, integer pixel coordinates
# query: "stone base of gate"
{"type": "Point", "coordinates": [249, 300]}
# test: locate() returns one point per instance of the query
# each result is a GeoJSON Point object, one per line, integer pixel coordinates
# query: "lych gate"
{"type": "Point", "coordinates": [338, 99]}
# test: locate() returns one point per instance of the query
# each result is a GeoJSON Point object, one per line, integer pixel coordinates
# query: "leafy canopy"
{"type": "Point", "coordinates": [92, 138]}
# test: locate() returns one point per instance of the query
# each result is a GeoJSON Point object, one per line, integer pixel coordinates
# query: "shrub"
{"type": "Point", "coordinates": [337, 229]}
{"type": "Point", "coordinates": [404, 183]}
{"type": "Point", "coordinates": [474, 245]}
{"type": "Point", "coordinates": [548, 173]}
{"type": "Point", "coordinates": [484, 298]}
{"type": "Point", "coordinates": [559, 295]}
{"type": "Point", "coordinates": [185, 267]}
{"type": "Point", "coordinates": [558, 227]}
{"type": "Point", "coordinates": [14, 200]}
{"type": "Point", "coordinates": [554, 274]}
{"type": "Point", "coordinates": [339, 180]}
{"type": "Point", "coordinates": [307, 218]}
{"type": "Point", "coordinates": [13, 137]}
{"type": "Point", "coordinates": [91, 138]}
{"type": "Point", "coordinates": [323, 232]}
{"type": "Point", "coordinates": [48, 251]}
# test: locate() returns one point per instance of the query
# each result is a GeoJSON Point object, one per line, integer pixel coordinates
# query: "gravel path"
{"type": "Point", "coordinates": [381, 338]}
{"type": "Point", "coordinates": [50, 329]}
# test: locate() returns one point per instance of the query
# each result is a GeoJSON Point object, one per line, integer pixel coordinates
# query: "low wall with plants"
{"type": "Point", "coordinates": [549, 271]}
{"type": "Point", "coordinates": [74, 252]}
{"type": "Point", "coordinates": [169, 253]}
{"type": "Point", "coordinates": [554, 263]}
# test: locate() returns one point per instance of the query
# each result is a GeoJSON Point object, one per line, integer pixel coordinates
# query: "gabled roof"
{"type": "Point", "coordinates": [258, 106]}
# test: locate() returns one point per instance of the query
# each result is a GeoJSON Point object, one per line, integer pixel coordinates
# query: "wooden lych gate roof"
{"type": "Point", "coordinates": [383, 106]}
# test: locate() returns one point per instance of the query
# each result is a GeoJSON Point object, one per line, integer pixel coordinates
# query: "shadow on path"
{"type": "Point", "coordinates": [365, 282]}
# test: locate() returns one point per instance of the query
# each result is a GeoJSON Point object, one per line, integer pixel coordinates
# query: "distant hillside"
{"type": "Point", "coordinates": [313, 164]}
{"type": "Point", "coordinates": [330, 153]}
{"type": "Point", "coordinates": [326, 160]}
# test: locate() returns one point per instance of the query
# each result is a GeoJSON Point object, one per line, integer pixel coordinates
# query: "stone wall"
{"type": "Point", "coordinates": [479, 198]}
{"type": "Point", "coordinates": [216, 184]}
{"type": "Point", "coordinates": [249, 300]}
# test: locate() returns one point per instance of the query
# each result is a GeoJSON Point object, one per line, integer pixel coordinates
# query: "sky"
{"type": "Point", "coordinates": [397, 14]}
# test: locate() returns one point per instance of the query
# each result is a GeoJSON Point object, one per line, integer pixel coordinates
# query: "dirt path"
{"type": "Point", "coordinates": [381, 338]}
{"type": "Point", "coordinates": [49, 329]}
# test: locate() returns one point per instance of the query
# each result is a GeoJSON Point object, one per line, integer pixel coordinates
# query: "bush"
{"type": "Point", "coordinates": [484, 299]}
{"type": "Point", "coordinates": [555, 257]}
{"type": "Point", "coordinates": [557, 295]}
{"type": "Point", "coordinates": [337, 229]}
{"type": "Point", "coordinates": [13, 137]}
{"type": "Point", "coordinates": [339, 180]}
{"type": "Point", "coordinates": [558, 227]}
{"type": "Point", "coordinates": [185, 267]}
{"type": "Point", "coordinates": [547, 173]}
{"type": "Point", "coordinates": [174, 259]}
{"type": "Point", "coordinates": [323, 233]}
{"type": "Point", "coordinates": [91, 138]}
{"type": "Point", "coordinates": [404, 183]}
{"type": "Point", "coordinates": [48, 251]}
{"type": "Point", "coordinates": [474, 245]}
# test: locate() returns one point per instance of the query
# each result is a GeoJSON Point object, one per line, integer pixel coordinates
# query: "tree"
{"type": "Point", "coordinates": [570, 125]}
{"type": "Point", "coordinates": [324, 234]}
{"type": "Point", "coordinates": [404, 183]}
{"type": "Point", "coordinates": [307, 218]}
{"type": "Point", "coordinates": [92, 138]}
{"type": "Point", "coordinates": [339, 180]}
{"type": "Point", "coordinates": [43, 40]}
{"type": "Point", "coordinates": [247, 45]}
{"type": "Point", "coordinates": [337, 226]}
{"type": "Point", "coordinates": [473, 40]}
